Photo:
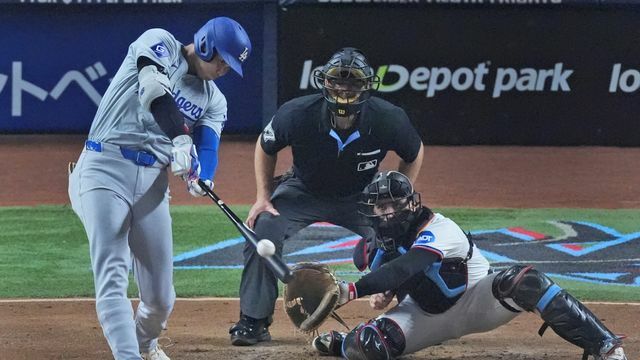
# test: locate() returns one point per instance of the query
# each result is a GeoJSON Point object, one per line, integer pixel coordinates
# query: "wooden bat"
{"type": "Point", "coordinates": [275, 263]}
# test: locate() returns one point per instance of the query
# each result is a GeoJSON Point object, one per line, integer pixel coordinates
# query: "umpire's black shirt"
{"type": "Point", "coordinates": [339, 164]}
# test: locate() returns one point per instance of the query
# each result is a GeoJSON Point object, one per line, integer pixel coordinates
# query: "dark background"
{"type": "Point", "coordinates": [588, 37]}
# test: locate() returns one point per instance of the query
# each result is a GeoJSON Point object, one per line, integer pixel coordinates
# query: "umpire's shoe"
{"type": "Point", "coordinates": [329, 344]}
{"type": "Point", "coordinates": [250, 331]}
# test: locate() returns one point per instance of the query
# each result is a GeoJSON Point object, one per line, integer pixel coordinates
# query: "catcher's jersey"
{"type": "Point", "coordinates": [122, 120]}
{"type": "Point", "coordinates": [443, 282]}
{"type": "Point", "coordinates": [445, 237]}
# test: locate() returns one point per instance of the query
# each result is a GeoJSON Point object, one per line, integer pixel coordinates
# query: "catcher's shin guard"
{"type": "Point", "coordinates": [379, 339]}
{"type": "Point", "coordinates": [572, 321]}
{"type": "Point", "coordinates": [569, 318]}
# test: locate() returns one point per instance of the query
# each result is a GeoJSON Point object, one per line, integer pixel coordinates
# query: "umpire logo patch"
{"type": "Point", "coordinates": [366, 165]}
{"type": "Point", "coordinates": [425, 237]}
{"type": "Point", "coordinates": [160, 50]}
{"type": "Point", "coordinates": [268, 134]}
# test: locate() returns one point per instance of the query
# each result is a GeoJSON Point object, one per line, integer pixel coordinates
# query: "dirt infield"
{"type": "Point", "coordinates": [198, 330]}
{"type": "Point", "coordinates": [34, 172]}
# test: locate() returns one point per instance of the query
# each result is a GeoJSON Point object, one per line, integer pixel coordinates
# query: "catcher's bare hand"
{"type": "Point", "coordinates": [381, 300]}
{"type": "Point", "coordinates": [258, 207]}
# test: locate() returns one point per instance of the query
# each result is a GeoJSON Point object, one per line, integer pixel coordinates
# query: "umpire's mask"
{"type": "Point", "coordinates": [346, 81]}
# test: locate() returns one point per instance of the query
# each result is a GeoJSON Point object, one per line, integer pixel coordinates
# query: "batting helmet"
{"type": "Point", "coordinates": [392, 203]}
{"type": "Point", "coordinates": [223, 36]}
{"type": "Point", "coordinates": [346, 80]}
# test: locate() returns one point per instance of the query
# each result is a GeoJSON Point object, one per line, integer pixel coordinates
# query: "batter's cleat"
{"type": "Point", "coordinates": [329, 344]}
{"type": "Point", "coordinates": [155, 354]}
{"type": "Point", "coordinates": [615, 354]}
{"type": "Point", "coordinates": [249, 331]}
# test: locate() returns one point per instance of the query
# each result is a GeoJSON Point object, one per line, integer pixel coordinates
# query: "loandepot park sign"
{"type": "Point", "coordinates": [586, 251]}
{"type": "Point", "coordinates": [482, 78]}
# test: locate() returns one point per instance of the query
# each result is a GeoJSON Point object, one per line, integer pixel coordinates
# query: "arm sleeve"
{"type": "Point", "coordinates": [207, 142]}
{"type": "Point", "coordinates": [396, 272]}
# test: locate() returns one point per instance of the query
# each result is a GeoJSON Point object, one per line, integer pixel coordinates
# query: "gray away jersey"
{"type": "Point", "coordinates": [121, 119]}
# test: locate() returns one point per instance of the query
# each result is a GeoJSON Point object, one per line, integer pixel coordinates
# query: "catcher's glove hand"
{"type": "Point", "coordinates": [311, 296]}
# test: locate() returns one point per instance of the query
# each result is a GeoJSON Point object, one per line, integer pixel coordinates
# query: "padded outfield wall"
{"type": "Point", "coordinates": [526, 72]}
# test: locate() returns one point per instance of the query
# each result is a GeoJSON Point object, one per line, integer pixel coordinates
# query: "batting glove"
{"type": "Point", "coordinates": [184, 158]}
{"type": "Point", "coordinates": [194, 188]}
{"type": "Point", "coordinates": [348, 292]}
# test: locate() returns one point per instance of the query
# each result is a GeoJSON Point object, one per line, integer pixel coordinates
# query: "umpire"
{"type": "Point", "coordinates": [338, 139]}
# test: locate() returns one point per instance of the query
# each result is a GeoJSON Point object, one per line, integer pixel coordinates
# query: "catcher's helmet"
{"type": "Point", "coordinates": [223, 36]}
{"type": "Point", "coordinates": [346, 80]}
{"type": "Point", "coordinates": [392, 203]}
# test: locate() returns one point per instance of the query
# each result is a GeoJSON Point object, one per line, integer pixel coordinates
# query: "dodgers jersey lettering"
{"type": "Point", "coordinates": [121, 119]}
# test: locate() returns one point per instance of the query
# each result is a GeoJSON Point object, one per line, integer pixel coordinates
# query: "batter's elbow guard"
{"type": "Point", "coordinates": [152, 84]}
{"type": "Point", "coordinates": [379, 339]}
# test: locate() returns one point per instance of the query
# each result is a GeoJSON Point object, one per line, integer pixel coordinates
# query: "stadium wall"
{"type": "Point", "coordinates": [498, 72]}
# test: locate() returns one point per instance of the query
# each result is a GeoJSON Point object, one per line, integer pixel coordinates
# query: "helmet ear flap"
{"type": "Point", "coordinates": [205, 53]}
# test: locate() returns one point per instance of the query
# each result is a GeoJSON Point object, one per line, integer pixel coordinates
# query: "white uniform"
{"type": "Point", "coordinates": [119, 189]}
{"type": "Point", "coordinates": [477, 310]}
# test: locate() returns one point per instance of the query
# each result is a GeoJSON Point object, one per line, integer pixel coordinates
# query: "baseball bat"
{"type": "Point", "coordinates": [275, 263]}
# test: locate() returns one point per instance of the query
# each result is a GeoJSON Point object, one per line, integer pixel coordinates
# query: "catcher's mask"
{"type": "Point", "coordinates": [346, 80]}
{"type": "Point", "coordinates": [390, 201]}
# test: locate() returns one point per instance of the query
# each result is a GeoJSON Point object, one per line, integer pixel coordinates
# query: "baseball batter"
{"type": "Point", "coordinates": [445, 287]}
{"type": "Point", "coordinates": [162, 109]}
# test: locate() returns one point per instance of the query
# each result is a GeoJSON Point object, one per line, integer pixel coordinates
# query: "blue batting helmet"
{"type": "Point", "coordinates": [223, 36]}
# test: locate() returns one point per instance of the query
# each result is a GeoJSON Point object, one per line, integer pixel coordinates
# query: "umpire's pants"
{"type": "Point", "coordinates": [298, 208]}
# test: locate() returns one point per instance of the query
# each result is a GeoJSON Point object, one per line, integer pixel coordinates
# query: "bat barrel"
{"type": "Point", "coordinates": [276, 264]}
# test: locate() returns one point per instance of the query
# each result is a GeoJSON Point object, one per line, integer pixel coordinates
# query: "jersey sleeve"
{"type": "Point", "coordinates": [405, 140]}
{"type": "Point", "coordinates": [444, 239]}
{"type": "Point", "coordinates": [426, 240]}
{"type": "Point", "coordinates": [158, 45]}
{"type": "Point", "coordinates": [276, 135]}
{"type": "Point", "coordinates": [215, 115]}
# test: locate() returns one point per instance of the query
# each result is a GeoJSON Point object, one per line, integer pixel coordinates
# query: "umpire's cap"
{"type": "Point", "coordinates": [224, 36]}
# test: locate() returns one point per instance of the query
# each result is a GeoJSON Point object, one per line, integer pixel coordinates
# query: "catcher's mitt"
{"type": "Point", "coordinates": [311, 296]}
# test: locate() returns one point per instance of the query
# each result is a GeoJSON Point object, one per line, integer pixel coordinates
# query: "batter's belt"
{"type": "Point", "coordinates": [140, 158]}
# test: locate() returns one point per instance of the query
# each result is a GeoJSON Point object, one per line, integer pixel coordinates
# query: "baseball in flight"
{"type": "Point", "coordinates": [265, 248]}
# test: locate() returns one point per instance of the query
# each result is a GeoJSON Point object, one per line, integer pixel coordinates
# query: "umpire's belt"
{"type": "Point", "coordinates": [138, 157]}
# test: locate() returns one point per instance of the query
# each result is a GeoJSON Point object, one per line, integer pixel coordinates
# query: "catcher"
{"type": "Point", "coordinates": [444, 286]}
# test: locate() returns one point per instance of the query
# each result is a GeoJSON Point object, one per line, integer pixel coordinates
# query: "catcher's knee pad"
{"type": "Point", "coordinates": [379, 339]}
{"type": "Point", "coordinates": [525, 286]}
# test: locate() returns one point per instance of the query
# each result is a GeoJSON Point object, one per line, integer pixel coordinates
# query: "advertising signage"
{"type": "Point", "coordinates": [483, 76]}
{"type": "Point", "coordinates": [59, 60]}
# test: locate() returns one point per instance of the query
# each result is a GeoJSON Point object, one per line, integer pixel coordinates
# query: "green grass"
{"type": "Point", "coordinates": [45, 253]}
